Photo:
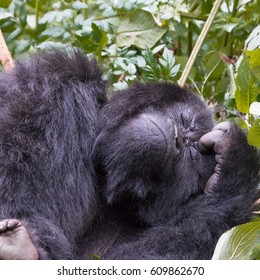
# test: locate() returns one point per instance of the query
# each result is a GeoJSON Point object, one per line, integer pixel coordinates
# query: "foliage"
{"type": "Point", "coordinates": [241, 242]}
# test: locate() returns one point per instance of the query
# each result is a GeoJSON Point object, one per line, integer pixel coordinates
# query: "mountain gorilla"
{"type": "Point", "coordinates": [169, 183]}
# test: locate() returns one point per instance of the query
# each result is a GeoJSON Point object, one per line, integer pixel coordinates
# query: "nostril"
{"type": "Point", "coordinates": [178, 143]}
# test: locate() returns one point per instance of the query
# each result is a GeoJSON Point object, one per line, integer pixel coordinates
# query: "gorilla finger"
{"type": "Point", "coordinates": [13, 223]}
{"type": "Point", "coordinates": [9, 224]}
{"type": "Point", "coordinates": [223, 126]}
{"type": "Point", "coordinates": [3, 225]}
{"type": "Point", "coordinates": [208, 141]}
{"type": "Point", "coordinates": [212, 183]}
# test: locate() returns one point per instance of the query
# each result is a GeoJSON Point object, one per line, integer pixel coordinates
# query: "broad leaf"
{"type": "Point", "coordinates": [139, 28]}
{"type": "Point", "coordinates": [5, 3]}
{"type": "Point", "coordinates": [253, 40]}
{"type": "Point", "coordinates": [246, 91]}
{"type": "Point", "coordinates": [254, 134]}
{"type": "Point", "coordinates": [239, 243]}
{"type": "Point", "coordinates": [254, 61]}
{"type": "Point", "coordinates": [255, 108]}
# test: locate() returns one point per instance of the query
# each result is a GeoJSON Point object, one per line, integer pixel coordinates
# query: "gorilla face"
{"type": "Point", "coordinates": [146, 154]}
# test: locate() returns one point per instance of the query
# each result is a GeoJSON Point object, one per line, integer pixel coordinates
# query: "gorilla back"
{"type": "Point", "coordinates": [48, 111]}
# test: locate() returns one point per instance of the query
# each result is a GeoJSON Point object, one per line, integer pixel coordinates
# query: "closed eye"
{"type": "Point", "coordinates": [187, 121]}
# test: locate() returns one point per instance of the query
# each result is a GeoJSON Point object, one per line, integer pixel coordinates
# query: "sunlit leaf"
{"type": "Point", "coordinates": [246, 91]}
{"type": "Point", "coordinates": [253, 40]}
{"type": "Point", "coordinates": [54, 32]}
{"type": "Point", "coordinates": [229, 26]}
{"type": "Point", "coordinates": [254, 62]}
{"type": "Point", "coordinates": [139, 28]}
{"type": "Point", "coordinates": [77, 5]}
{"type": "Point", "coordinates": [254, 134]}
{"type": "Point", "coordinates": [238, 243]}
{"type": "Point", "coordinates": [151, 71]}
{"type": "Point", "coordinates": [5, 16]}
{"type": "Point", "coordinates": [255, 108]}
{"type": "Point", "coordinates": [5, 3]}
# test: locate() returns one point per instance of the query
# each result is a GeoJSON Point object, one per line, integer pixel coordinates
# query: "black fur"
{"type": "Point", "coordinates": [152, 177]}
{"type": "Point", "coordinates": [48, 111]}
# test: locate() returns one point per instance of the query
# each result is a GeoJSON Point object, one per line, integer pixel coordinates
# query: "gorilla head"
{"type": "Point", "coordinates": [147, 153]}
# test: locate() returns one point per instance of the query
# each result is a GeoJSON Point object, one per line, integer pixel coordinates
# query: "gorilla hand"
{"type": "Point", "coordinates": [15, 242]}
{"type": "Point", "coordinates": [219, 140]}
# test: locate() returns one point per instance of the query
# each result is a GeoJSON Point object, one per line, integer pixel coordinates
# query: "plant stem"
{"type": "Point", "coordinates": [189, 39]}
{"type": "Point", "coordinates": [199, 42]}
{"type": "Point", "coordinates": [235, 5]}
{"type": "Point", "coordinates": [192, 16]}
{"type": "Point", "coordinates": [36, 14]}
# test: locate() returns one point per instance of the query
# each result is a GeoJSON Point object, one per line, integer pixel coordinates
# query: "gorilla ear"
{"type": "Point", "coordinates": [134, 189]}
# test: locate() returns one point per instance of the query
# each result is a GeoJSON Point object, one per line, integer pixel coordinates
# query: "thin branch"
{"type": "Point", "coordinates": [199, 42]}
{"type": "Point", "coordinates": [5, 55]}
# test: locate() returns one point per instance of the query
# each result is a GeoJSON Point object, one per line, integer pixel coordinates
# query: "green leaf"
{"type": "Point", "coordinates": [167, 63]}
{"type": "Point", "coordinates": [238, 243]}
{"type": "Point", "coordinates": [95, 256]}
{"type": "Point", "coordinates": [256, 253]}
{"type": "Point", "coordinates": [254, 134]}
{"type": "Point", "coordinates": [23, 17]}
{"type": "Point", "coordinates": [23, 46]}
{"type": "Point", "coordinates": [151, 71]}
{"type": "Point", "coordinates": [48, 17]}
{"type": "Point", "coordinates": [5, 3]}
{"type": "Point", "coordinates": [94, 41]}
{"type": "Point", "coordinates": [77, 5]}
{"type": "Point", "coordinates": [51, 45]}
{"type": "Point", "coordinates": [14, 35]}
{"type": "Point", "coordinates": [56, 15]}
{"type": "Point", "coordinates": [229, 26]}
{"type": "Point", "coordinates": [54, 32]}
{"type": "Point", "coordinates": [232, 83]}
{"type": "Point", "coordinates": [4, 17]}
{"type": "Point", "coordinates": [253, 40]}
{"type": "Point", "coordinates": [246, 91]}
{"type": "Point", "coordinates": [254, 62]}
{"type": "Point", "coordinates": [214, 66]}
{"type": "Point", "coordinates": [139, 28]}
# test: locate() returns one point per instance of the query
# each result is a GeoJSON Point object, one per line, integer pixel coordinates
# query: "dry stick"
{"type": "Point", "coordinates": [5, 55]}
{"type": "Point", "coordinates": [198, 44]}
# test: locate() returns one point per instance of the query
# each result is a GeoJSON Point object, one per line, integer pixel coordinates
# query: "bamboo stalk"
{"type": "Point", "coordinates": [199, 42]}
